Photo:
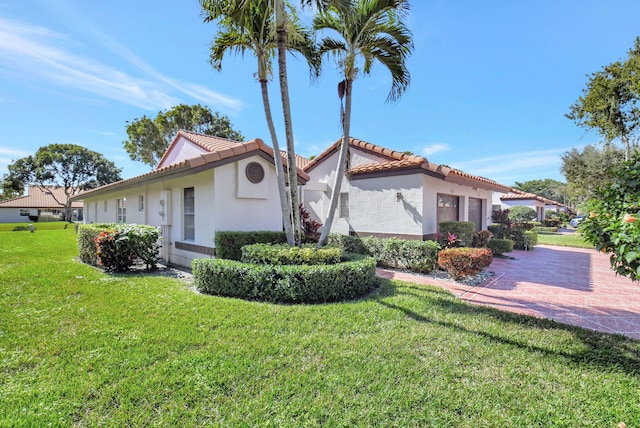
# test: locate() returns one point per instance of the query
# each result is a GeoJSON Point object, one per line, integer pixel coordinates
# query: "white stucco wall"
{"type": "Point", "coordinates": [433, 186]}
{"type": "Point", "coordinates": [12, 215]}
{"type": "Point", "coordinates": [375, 207]}
{"type": "Point", "coordinates": [224, 200]}
{"type": "Point", "coordinates": [183, 149]}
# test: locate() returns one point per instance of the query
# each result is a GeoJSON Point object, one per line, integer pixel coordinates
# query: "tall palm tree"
{"type": "Point", "coordinates": [236, 9]}
{"type": "Point", "coordinates": [369, 31]}
{"type": "Point", "coordinates": [255, 32]}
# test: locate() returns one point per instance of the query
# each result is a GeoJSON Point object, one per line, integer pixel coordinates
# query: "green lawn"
{"type": "Point", "coordinates": [79, 347]}
{"type": "Point", "coordinates": [564, 239]}
{"type": "Point", "coordinates": [45, 225]}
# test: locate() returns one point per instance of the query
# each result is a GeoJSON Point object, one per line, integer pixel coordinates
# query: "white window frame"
{"type": "Point", "coordinates": [344, 205]}
{"type": "Point", "coordinates": [121, 210]}
{"type": "Point", "coordinates": [189, 214]}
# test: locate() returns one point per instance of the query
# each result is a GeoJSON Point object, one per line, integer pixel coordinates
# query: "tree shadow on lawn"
{"type": "Point", "coordinates": [605, 350]}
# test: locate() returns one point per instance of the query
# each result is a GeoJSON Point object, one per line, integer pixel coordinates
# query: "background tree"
{"type": "Point", "coordinates": [10, 187]}
{"type": "Point", "coordinates": [255, 32]}
{"type": "Point", "coordinates": [150, 138]}
{"type": "Point", "coordinates": [609, 102]}
{"type": "Point", "coordinates": [587, 169]}
{"type": "Point", "coordinates": [547, 188]}
{"type": "Point", "coordinates": [68, 166]}
{"type": "Point", "coordinates": [613, 223]}
{"type": "Point", "coordinates": [369, 31]}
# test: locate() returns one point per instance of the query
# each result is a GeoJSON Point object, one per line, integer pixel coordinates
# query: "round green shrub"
{"type": "Point", "coordinates": [285, 283]}
{"type": "Point", "coordinates": [522, 214]}
{"type": "Point", "coordinates": [287, 255]}
{"type": "Point", "coordinates": [500, 246]}
{"type": "Point", "coordinates": [463, 230]}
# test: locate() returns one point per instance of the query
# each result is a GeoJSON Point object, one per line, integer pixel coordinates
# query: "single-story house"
{"type": "Point", "coordinates": [201, 185]}
{"type": "Point", "coordinates": [517, 197]}
{"type": "Point", "coordinates": [393, 194]}
{"type": "Point", "coordinates": [39, 204]}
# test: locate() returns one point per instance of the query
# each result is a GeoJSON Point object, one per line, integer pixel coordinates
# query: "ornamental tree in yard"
{"type": "Point", "coordinates": [613, 224]}
{"type": "Point", "coordinates": [69, 166]}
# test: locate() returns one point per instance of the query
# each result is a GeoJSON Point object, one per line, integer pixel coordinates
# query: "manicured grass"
{"type": "Point", "coordinates": [564, 239]}
{"type": "Point", "coordinates": [45, 225]}
{"type": "Point", "coordinates": [83, 348]}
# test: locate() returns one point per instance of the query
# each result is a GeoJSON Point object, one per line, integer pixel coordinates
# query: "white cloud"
{"type": "Point", "coordinates": [37, 52]}
{"type": "Point", "coordinates": [435, 148]}
{"type": "Point", "coordinates": [8, 151]}
{"type": "Point", "coordinates": [512, 167]}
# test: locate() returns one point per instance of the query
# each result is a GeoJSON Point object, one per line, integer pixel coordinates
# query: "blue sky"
{"type": "Point", "coordinates": [490, 80]}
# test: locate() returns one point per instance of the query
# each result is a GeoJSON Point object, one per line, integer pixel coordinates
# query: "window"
{"type": "Point", "coordinates": [141, 203]}
{"type": "Point", "coordinates": [447, 208]}
{"type": "Point", "coordinates": [188, 210]}
{"type": "Point", "coordinates": [122, 210]}
{"type": "Point", "coordinates": [344, 205]}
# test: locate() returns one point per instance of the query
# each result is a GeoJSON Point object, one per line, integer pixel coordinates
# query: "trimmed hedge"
{"type": "Point", "coordinates": [285, 283]}
{"type": "Point", "coordinates": [286, 255]}
{"type": "Point", "coordinates": [118, 246]}
{"type": "Point", "coordinates": [229, 243]}
{"type": "Point", "coordinates": [524, 239]}
{"type": "Point", "coordinates": [87, 234]}
{"type": "Point", "coordinates": [466, 261]}
{"type": "Point", "coordinates": [464, 230]}
{"type": "Point", "coordinates": [500, 246]}
{"type": "Point", "coordinates": [413, 255]}
{"type": "Point", "coordinates": [545, 229]}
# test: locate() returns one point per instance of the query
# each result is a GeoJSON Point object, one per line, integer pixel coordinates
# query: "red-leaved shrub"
{"type": "Point", "coordinates": [464, 261]}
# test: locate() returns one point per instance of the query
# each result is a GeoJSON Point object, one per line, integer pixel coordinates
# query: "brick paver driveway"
{"type": "Point", "coordinates": [569, 285]}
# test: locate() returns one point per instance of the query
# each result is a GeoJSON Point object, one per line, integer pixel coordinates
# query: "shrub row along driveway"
{"type": "Point", "coordinates": [569, 285]}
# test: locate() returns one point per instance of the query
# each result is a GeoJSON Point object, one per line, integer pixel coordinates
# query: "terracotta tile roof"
{"type": "Point", "coordinates": [37, 198]}
{"type": "Point", "coordinates": [301, 161]}
{"type": "Point", "coordinates": [218, 149]}
{"type": "Point", "coordinates": [209, 143]}
{"type": "Point", "coordinates": [515, 194]}
{"type": "Point", "coordinates": [398, 161]}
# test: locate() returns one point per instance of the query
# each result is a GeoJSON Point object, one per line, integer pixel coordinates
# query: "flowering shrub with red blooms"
{"type": "Point", "coordinates": [465, 261]}
{"type": "Point", "coordinates": [118, 249]}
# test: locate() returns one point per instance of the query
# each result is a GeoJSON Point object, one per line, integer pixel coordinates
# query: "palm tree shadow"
{"type": "Point", "coordinates": [608, 351]}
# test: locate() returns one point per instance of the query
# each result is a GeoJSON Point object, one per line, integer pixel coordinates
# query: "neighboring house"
{"type": "Point", "coordinates": [38, 205]}
{"type": "Point", "coordinates": [517, 197]}
{"type": "Point", "coordinates": [201, 185]}
{"type": "Point", "coordinates": [392, 194]}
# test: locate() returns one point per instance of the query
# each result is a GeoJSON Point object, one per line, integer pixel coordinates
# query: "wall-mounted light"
{"type": "Point", "coordinates": [398, 196]}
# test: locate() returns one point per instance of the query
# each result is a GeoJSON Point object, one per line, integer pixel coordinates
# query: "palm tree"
{"type": "Point", "coordinates": [255, 32]}
{"type": "Point", "coordinates": [369, 30]}
{"type": "Point", "coordinates": [236, 9]}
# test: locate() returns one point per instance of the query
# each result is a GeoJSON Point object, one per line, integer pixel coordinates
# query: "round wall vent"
{"type": "Point", "coordinates": [254, 172]}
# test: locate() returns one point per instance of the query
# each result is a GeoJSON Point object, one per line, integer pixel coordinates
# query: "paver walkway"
{"type": "Point", "coordinates": [565, 284]}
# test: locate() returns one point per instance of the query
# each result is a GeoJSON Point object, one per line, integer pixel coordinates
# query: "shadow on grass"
{"type": "Point", "coordinates": [607, 351]}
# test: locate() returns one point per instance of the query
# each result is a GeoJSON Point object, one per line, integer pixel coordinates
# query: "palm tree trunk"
{"type": "Point", "coordinates": [341, 167]}
{"type": "Point", "coordinates": [286, 109]}
{"type": "Point", "coordinates": [277, 159]}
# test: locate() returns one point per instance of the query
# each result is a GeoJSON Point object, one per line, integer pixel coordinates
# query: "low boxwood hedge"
{"type": "Point", "coordinates": [229, 243]}
{"type": "Point", "coordinates": [413, 255]}
{"type": "Point", "coordinates": [500, 246]}
{"type": "Point", "coordinates": [285, 283]}
{"type": "Point", "coordinates": [286, 255]}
